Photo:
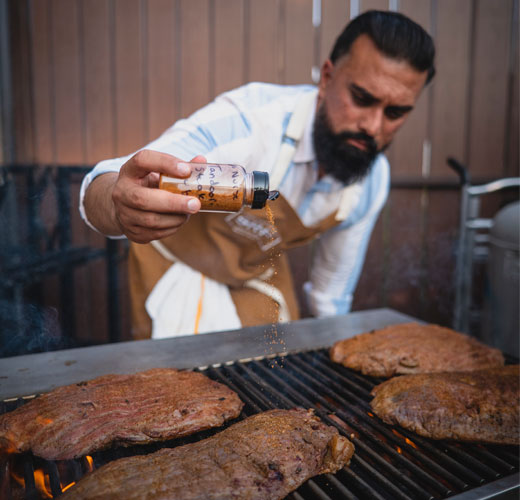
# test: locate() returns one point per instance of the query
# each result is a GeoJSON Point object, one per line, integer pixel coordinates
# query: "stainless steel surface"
{"type": "Point", "coordinates": [35, 373]}
{"type": "Point", "coordinates": [505, 488]}
{"type": "Point", "coordinates": [493, 186]}
{"type": "Point", "coordinates": [423, 470]}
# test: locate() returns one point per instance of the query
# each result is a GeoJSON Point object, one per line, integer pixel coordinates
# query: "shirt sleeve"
{"type": "Point", "coordinates": [219, 130]}
{"type": "Point", "coordinates": [340, 253]}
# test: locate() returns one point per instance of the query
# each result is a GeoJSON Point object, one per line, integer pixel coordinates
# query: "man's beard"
{"type": "Point", "coordinates": [336, 156]}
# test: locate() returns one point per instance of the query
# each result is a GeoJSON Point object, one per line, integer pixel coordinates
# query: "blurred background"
{"type": "Point", "coordinates": [85, 80]}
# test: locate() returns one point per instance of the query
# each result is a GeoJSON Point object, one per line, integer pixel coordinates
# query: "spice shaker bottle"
{"type": "Point", "coordinates": [222, 187]}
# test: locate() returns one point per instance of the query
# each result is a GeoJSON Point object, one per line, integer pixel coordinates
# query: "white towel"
{"type": "Point", "coordinates": [184, 302]}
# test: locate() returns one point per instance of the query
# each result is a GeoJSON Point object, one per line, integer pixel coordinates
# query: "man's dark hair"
{"type": "Point", "coordinates": [394, 35]}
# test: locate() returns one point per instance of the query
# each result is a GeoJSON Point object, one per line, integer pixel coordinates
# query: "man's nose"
{"type": "Point", "coordinates": [371, 122]}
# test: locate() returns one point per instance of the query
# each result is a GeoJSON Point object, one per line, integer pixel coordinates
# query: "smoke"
{"type": "Point", "coordinates": [29, 328]}
{"type": "Point", "coordinates": [420, 280]}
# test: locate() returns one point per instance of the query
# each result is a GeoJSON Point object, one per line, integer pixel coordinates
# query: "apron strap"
{"type": "Point", "coordinates": [275, 294]}
{"type": "Point", "coordinates": [161, 248]}
{"type": "Point", "coordinates": [291, 138]}
{"type": "Point", "coordinates": [349, 197]}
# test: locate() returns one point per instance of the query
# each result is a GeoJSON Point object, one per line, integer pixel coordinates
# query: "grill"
{"type": "Point", "coordinates": [389, 463]}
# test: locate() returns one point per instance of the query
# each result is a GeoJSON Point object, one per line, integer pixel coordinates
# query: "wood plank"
{"type": "Point", "coordinates": [124, 301]}
{"type": "Point", "coordinates": [43, 90]}
{"type": "Point", "coordinates": [300, 262]}
{"type": "Point", "coordinates": [369, 292]}
{"type": "Point", "coordinates": [97, 73]}
{"type": "Point", "coordinates": [298, 42]}
{"type": "Point", "coordinates": [450, 85]}
{"type": "Point", "coordinates": [66, 79]}
{"type": "Point", "coordinates": [441, 240]}
{"type": "Point", "coordinates": [513, 139]}
{"type": "Point", "coordinates": [195, 61]}
{"type": "Point", "coordinates": [335, 15]}
{"type": "Point", "coordinates": [91, 315]}
{"type": "Point", "coordinates": [162, 46]}
{"type": "Point", "coordinates": [406, 152]}
{"type": "Point", "coordinates": [20, 131]}
{"type": "Point", "coordinates": [129, 74]}
{"type": "Point", "coordinates": [404, 273]}
{"type": "Point", "coordinates": [365, 5]}
{"type": "Point", "coordinates": [264, 41]}
{"type": "Point", "coordinates": [489, 94]}
{"type": "Point", "coordinates": [230, 45]}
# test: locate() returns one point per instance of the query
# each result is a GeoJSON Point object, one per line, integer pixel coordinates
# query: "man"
{"type": "Point", "coordinates": [323, 150]}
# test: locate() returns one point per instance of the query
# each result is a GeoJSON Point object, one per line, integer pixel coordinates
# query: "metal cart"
{"type": "Point", "coordinates": [473, 242]}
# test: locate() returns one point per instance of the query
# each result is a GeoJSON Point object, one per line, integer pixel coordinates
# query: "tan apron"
{"type": "Point", "coordinates": [231, 249]}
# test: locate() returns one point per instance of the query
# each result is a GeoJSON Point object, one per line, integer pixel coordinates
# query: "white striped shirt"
{"type": "Point", "coordinates": [246, 126]}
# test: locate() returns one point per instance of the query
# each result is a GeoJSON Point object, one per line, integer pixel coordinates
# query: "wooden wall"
{"type": "Point", "coordinates": [100, 78]}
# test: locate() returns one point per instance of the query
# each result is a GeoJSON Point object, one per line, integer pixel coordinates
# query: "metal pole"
{"type": "Point", "coordinates": [461, 252]}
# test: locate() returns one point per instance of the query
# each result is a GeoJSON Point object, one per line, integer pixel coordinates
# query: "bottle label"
{"type": "Point", "coordinates": [220, 188]}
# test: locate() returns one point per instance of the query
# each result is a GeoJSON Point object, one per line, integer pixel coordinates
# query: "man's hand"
{"type": "Point", "coordinates": [129, 202]}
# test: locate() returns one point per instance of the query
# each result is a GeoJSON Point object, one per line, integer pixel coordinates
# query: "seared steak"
{"type": "Point", "coordinates": [154, 405]}
{"type": "Point", "coordinates": [263, 457]}
{"type": "Point", "coordinates": [467, 406]}
{"type": "Point", "coordinates": [413, 348]}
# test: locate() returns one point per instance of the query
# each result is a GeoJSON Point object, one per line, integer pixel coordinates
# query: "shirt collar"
{"type": "Point", "coordinates": [305, 149]}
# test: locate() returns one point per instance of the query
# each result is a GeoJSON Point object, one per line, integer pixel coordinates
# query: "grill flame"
{"type": "Point", "coordinates": [65, 488]}
{"type": "Point", "coordinates": [41, 480]}
{"type": "Point", "coordinates": [406, 440]}
{"type": "Point", "coordinates": [411, 443]}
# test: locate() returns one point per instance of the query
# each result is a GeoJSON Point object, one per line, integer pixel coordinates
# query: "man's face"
{"type": "Point", "coordinates": [363, 100]}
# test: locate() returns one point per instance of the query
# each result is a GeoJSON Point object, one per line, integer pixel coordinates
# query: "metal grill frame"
{"type": "Point", "coordinates": [389, 463]}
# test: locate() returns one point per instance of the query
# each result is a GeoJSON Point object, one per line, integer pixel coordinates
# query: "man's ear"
{"type": "Point", "coordinates": [325, 76]}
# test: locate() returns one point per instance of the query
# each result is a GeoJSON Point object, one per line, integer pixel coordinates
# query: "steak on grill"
{"type": "Point", "coordinates": [264, 457]}
{"type": "Point", "coordinates": [466, 406]}
{"type": "Point", "coordinates": [413, 348]}
{"type": "Point", "coordinates": [154, 405]}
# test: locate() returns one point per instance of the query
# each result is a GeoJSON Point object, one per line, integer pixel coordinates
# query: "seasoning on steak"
{"type": "Point", "coordinates": [414, 348]}
{"type": "Point", "coordinates": [466, 406]}
{"type": "Point", "coordinates": [264, 457]}
{"type": "Point", "coordinates": [154, 405]}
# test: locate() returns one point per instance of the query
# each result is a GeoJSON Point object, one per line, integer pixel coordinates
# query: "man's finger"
{"type": "Point", "coordinates": [143, 235]}
{"type": "Point", "coordinates": [133, 219]}
{"type": "Point", "coordinates": [199, 159]}
{"type": "Point", "coordinates": [155, 200]}
{"type": "Point", "coordinates": [146, 161]}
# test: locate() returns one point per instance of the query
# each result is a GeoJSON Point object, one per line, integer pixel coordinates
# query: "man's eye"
{"type": "Point", "coordinates": [394, 113]}
{"type": "Point", "coordinates": [362, 100]}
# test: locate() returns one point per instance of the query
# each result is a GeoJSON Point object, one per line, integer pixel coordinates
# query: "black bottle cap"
{"type": "Point", "coordinates": [260, 189]}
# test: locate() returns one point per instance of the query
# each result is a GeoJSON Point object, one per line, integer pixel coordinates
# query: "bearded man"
{"type": "Point", "coordinates": [323, 148]}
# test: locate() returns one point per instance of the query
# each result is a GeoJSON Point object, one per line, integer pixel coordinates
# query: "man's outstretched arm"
{"type": "Point", "coordinates": [129, 202]}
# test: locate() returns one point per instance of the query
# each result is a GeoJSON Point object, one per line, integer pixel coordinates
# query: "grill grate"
{"type": "Point", "coordinates": [389, 463]}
